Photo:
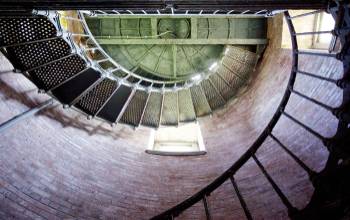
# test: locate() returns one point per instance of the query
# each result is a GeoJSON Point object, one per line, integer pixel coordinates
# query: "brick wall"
{"type": "Point", "coordinates": [58, 165]}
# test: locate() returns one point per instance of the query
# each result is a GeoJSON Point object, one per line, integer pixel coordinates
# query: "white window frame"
{"type": "Point", "coordinates": [198, 145]}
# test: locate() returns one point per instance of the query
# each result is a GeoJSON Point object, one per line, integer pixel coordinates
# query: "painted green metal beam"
{"type": "Point", "coordinates": [233, 41]}
{"type": "Point", "coordinates": [194, 28]}
{"type": "Point", "coordinates": [154, 28]}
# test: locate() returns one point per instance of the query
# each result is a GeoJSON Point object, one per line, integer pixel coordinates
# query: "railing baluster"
{"type": "Point", "coordinates": [314, 33]}
{"type": "Point", "coordinates": [317, 77]}
{"type": "Point", "coordinates": [25, 115]}
{"type": "Point", "coordinates": [258, 12]}
{"type": "Point", "coordinates": [302, 52]}
{"type": "Point", "coordinates": [102, 60]}
{"type": "Point", "coordinates": [78, 34]}
{"type": "Point", "coordinates": [304, 126]}
{"type": "Point", "coordinates": [309, 171]}
{"type": "Point", "coordinates": [290, 207]}
{"type": "Point", "coordinates": [206, 207]}
{"type": "Point", "coordinates": [312, 100]}
{"type": "Point", "coordinates": [241, 200]}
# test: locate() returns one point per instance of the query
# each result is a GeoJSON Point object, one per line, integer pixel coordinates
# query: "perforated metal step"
{"type": "Point", "coordinates": [116, 105]}
{"type": "Point", "coordinates": [134, 111]}
{"type": "Point", "coordinates": [232, 78]}
{"type": "Point", "coordinates": [34, 55]}
{"type": "Point", "coordinates": [94, 100]}
{"type": "Point", "coordinates": [222, 86]}
{"type": "Point", "coordinates": [186, 108]}
{"type": "Point", "coordinates": [242, 55]}
{"type": "Point", "coordinates": [200, 102]}
{"type": "Point", "coordinates": [170, 109]}
{"type": "Point", "coordinates": [241, 70]}
{"type": "Point", "coordinates": [16, 30]}
{"type": "Point", "coordinates": [151, 117]}
{"type": "Point", "coordinates": [51, 75]}
{"type": "Point", "coordinates": [69, 91]}
{"type": "Point", "coordinates": [214, 98]}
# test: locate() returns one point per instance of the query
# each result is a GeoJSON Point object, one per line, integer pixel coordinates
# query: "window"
{"type": "Point", "coordinates": [323, 22]}
{"type": "Point", "coordinates": [185, 140]}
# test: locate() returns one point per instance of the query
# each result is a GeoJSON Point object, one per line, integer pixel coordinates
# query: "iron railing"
{"type": "Point", "coordinates": [229, 174]}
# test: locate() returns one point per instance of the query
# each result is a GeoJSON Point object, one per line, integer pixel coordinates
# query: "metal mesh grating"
{"type": "Point", "coordinates": [96, 97]}
{"type": "Point", "coordinates": [200, 102]}
{"type": "Point", "coordinates": [230, 77]}
{"type": "Point", "coordinates": [152, 113]}
{"type": "Point", "coordinates": [186, 109]}
{"type": "Point", "coordinates": [36, 54]}
{"type": "Point", "coordinates": [213, 97]}
{"type": "Point", "coordinates": [21, 30]}
{"type": "Point", "coordinates": [57, 72]}
{"type": "Point", "coordinates": [134, 110]}
{"type": "Point", "coordinates": [225, 90]}
{"type": "Point", "coordinates": [240, 69]}
{"type": "Point", "coordinates": [170, 109]}
{"type": "Point", "coordinates": [242, 55]}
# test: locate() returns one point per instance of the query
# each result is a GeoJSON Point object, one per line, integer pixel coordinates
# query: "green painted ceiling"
{"type": "Point", "coordinates": [173, 48]}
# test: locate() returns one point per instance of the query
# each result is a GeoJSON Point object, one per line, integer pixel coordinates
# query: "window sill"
{"type": "Point", "coordinates": [168, 153]}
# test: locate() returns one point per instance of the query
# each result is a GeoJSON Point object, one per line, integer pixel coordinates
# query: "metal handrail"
{"type": "Point", "coordinates": [175, 12]}
{"type": "Point", "coordinates": [176, 210]}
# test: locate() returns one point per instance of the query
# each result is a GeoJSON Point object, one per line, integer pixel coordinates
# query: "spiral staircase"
{"type": "Point", "coordinates": [39, 49]}
{"type": "Point", "coordinates": [50, 62]}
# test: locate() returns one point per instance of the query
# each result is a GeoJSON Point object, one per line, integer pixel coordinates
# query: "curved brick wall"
{"type": "Point", "coordinates": [58, 165]}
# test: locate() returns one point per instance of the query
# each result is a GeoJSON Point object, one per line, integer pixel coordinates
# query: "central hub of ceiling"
{"type": "Point", "coordinates": [174, 28]}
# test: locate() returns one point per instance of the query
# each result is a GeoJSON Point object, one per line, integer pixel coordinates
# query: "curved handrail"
{"type": "Point", "coordinates": [176, 210]}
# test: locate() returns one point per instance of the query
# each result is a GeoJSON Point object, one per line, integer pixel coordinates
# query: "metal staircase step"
{"type": "Point", "coordinates": [223, 87]}
{"type": "Point", "coordinates": [242, 55]}
{"type": "Point", "coordinates": [152, 115]}
{"type": "Point", "coordinates": [134, 111]}
{"type": "Point", "coordinates": [49, 76]}
{"type": "Point", "coordinates": [94, 100]}
{"type": "Point", "coordinates": [17, 30]}
{"type": "Point", "coordinates": [38, 54]}
{"type": "Point", "coordinates": [170, 111]}
{"type": "Point", "coordinates": [68, 92]}
{"type": "Point", "coordinates": [231, 78]}
{"type": "Point", "coordinates": [116, 105]}
{"type": "Point", "coordinates": [186, 108]}
{"type": "Point", "coordinates": [200, 102]}
{"type": "Point", "coordinates": [214, 98]}
{"type": "Point", "coordinates": [241, 70]}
